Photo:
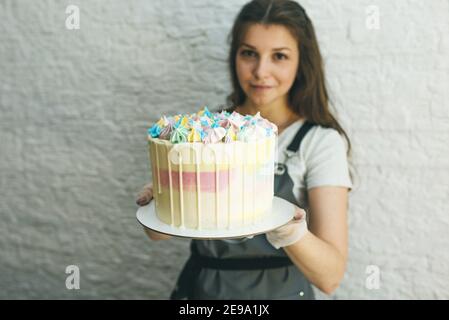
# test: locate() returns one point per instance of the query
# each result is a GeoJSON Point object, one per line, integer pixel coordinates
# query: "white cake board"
{"type": "Point", "coordinates": [282, 212]}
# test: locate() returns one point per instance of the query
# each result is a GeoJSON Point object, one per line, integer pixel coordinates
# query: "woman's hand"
{"type": "Point", "coordinates": [143, 198]}
{"type": "Point", "coordinates": [145, 195]}
{"type": "Point", "coordinates": [290, 233]}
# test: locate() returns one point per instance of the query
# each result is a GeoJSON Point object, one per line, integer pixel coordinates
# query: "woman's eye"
{"type": "Point", "coordinates": [248, 53]}
{"type": "Point", "coordinates": [281, 56]}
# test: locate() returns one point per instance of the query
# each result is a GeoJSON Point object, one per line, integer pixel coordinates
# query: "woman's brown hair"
{"type": "Point", "coordinates": [308, 95]}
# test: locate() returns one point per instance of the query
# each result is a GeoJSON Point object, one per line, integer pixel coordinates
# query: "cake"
{"type": "Point", "coordinates": [212, 170]}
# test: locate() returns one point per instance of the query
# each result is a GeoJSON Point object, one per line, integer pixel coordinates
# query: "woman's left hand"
{"type": "Point", "coordinates": [290, 233]}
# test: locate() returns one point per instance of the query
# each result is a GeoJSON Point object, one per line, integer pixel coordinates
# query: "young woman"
{"type": "Point", "coordinates": [276, 69]}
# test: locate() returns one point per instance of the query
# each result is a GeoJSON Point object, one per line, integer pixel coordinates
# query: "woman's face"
{"type": "Point", "coordinates": [267, 62]}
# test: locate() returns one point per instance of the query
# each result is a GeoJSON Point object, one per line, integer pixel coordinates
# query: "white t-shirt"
{"type": "Point", "coordinates": [320, 161]}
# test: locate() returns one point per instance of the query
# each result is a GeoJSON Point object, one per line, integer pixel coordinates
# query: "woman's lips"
{"type": "Point", "coordinates": [261, 88]}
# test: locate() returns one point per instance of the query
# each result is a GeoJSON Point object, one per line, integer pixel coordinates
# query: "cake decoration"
{"type": "Point", "coordinates": [207, 127]}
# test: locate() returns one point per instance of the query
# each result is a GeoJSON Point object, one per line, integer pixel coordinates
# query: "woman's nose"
{"type": "Point", "coordinates": [262, 69]}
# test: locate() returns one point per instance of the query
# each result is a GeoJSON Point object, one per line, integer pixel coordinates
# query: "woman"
{"type": "Point", "coordinates": [276, 69]}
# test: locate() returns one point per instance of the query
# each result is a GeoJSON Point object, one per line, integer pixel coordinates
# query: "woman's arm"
{"type": "Point", "coordinates": [153, 235]}
{"type": "Point", "coordinates": [322, 253]}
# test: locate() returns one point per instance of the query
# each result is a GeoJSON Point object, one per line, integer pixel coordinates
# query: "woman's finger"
{"type": "Point", "coordinates": [299, 214]}
{"type": "Point", "coordinates": [144, 197]}
{"type": "Point", "coordinates": [142, 201]}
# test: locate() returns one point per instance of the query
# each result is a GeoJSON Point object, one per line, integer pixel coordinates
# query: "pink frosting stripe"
{"type": "Point", "coordinates": [207, 180]}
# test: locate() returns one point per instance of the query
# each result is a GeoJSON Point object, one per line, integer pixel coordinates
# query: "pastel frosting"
{"type": "Point", "coordinates": [212, 127]}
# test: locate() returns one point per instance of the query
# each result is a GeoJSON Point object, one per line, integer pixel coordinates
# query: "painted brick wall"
{"type": "Point", "coordinates": [75, 105]}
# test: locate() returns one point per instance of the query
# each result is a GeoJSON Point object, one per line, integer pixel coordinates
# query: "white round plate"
{"type": "Point", "coordinates": [282, 212]}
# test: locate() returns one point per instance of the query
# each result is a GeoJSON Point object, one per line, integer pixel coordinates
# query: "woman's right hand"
{"type": "Point", "coordinates": [143, 198]}
{"type": "Point", "coordinates": [145, 195]}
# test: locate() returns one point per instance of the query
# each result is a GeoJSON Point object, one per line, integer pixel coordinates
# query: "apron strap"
{"type": "Point", "coordinates": [255, 263]}
{"type": "Point", "coordinates": [294, 145]}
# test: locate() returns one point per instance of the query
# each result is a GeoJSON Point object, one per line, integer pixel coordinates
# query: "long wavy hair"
{"type": "Point", "coordinates": [308, 96]}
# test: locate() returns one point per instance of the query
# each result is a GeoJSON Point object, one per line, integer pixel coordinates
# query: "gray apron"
{"type": "Point", "coordinates": [248, 268]}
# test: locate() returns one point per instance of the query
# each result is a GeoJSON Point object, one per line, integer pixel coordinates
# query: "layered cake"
{"type": "Point", "coordinates": [212, 170]}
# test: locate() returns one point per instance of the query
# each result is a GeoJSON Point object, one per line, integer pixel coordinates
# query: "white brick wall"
{"type": "Point", "coordinates": [75, 104]}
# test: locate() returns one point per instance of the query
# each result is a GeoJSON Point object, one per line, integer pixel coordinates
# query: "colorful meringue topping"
{"type": "Point", "coordinates": [207, 127]}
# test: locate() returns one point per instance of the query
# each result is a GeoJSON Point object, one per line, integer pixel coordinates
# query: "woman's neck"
{"type": "Point", "coordinates": [281, 115]}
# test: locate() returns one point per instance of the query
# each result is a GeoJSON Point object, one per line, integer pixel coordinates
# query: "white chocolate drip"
{"type": "Point", "coordinates": [243, 193]}
{"type": "Point", "coordinates": [198, 189]}
{"type": "Point", "coordinates": [217, 194]}
{"type": "Point", "coordinates": [181, 186]}
{"type": "Point", "coordinates": [172, 217]}
{"type": "Point", "coordinates": [255, 172]}
{"type": "Point", "coordinates": [229, 192]}
{"type": "Point", "coordinates": [159, 190]}
{"type": "Point", "coordinates": [200, 209]}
